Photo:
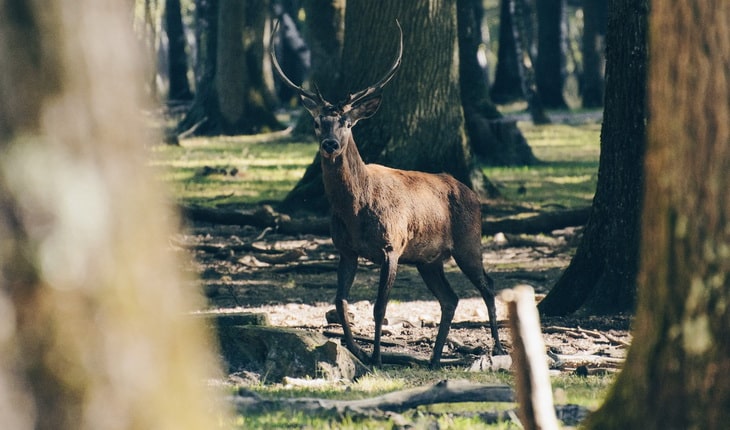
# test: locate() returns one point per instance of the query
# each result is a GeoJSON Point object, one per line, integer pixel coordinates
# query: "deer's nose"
{"type": "Point", "coordinates": [330, 145]}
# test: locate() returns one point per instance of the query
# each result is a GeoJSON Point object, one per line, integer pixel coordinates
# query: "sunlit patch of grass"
{"type": "Point", "coordinates": [567, 176]}
{"type": "Point", "coordinates": [232, 169]}
{"type": "Point", "coordinates": [585, 391]}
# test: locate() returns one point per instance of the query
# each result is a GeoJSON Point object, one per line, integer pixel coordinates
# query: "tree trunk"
{"type": "Point", "coordinates": [179, 87]}
{"type": "Point", "coordinates": [601, 278]}
{"type": "Point", "coordinates": [521, 17]}
{"type": "Point", "coordinates": [233, 98]}
{"type": "Point", "coordinates": [675, 375]}
{"type": "Point", "coordinates": [484, 124]}
{"type": "Point", "coordinates": [94, 327]}
{"type": "Point", "coordinates": [420, 125]}
{"type": "Point", "coordinates": [593, 43]}
{"type": "Point", "coordinates": [552, 43]}
{"type": "Point", "coordinates": [507, 86]}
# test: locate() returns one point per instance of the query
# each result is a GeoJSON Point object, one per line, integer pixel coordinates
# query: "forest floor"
{"type": "Point", "coordinates": [292, 279]}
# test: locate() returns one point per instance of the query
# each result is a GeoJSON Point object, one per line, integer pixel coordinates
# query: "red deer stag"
{"type": "Point", "coordinates": [391, 216]}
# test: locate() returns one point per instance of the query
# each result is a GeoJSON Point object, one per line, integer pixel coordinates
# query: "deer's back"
{"type": "Point", "coordinates": [420, 215]}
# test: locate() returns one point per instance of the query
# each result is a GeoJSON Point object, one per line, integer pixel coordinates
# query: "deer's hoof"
{"type": "Point", "coordinates": [498, 350]}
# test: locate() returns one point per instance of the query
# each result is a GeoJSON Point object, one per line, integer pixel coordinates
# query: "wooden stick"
{"type": "Point", "coordinates": [534, 391]}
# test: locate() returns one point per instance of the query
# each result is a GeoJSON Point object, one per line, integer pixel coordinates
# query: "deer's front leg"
{"type": "Point", "coordinates": [387, 276]}
{"type": "Point", "coordinates": [346, 271]}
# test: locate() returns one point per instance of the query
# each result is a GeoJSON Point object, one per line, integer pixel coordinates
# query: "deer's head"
{"type": "Point", "coordinates": [333, 122]}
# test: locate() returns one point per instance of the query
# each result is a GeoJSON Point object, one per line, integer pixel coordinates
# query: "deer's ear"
{"type": "Point", "coordinates": [364, 109]}
{"type": "Point", "coordinates": [312, 106]}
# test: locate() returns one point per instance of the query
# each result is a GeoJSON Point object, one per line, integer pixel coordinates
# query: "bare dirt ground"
{"type": "Point", "coordinates": [292, 279]}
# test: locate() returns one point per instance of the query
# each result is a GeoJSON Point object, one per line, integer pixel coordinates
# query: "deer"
{"type": "Point", "coordinates": [390, 216]}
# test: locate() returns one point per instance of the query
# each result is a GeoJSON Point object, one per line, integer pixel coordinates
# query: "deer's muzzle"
{"type": "Point", "coordinates": [330, 146]}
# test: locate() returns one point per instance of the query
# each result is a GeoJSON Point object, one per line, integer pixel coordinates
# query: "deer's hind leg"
{"type": "Point", "coordinates": [435, 279]}
{"type": "Point", "coordinates": [471, 265]}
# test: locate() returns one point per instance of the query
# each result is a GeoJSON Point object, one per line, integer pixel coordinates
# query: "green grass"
{"type": "Point", "coordinates": [586, 391]}
{"type": "Point", "coordinates": [568, 173]}
{"type": "Point", "coordinates": [268, 166]}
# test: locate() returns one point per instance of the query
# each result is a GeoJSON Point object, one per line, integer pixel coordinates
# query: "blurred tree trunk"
{"type": "Point", "coordinates": [601, 277]}
{"type": "Point", "coordinates": [552, 44]}
{"type": "Point", "coordinates": [232, 97]}
{"type": "Point", "coordinates": [494, 140]}
{"type": "Point", "coordinates": [94, 327]}
{"type": "Point", "coordinates": [179, 88]}
{"type": "Point", "coordinates": [420, 125]}
{"type": "Point", "coordinates": [507, 85]}
{"type": "Point", "coordinates": [675, 376]}
{"type": "Point", "coordinates": [593, 44]}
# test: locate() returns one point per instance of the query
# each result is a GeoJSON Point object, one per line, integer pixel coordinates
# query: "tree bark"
{"type": "Point", "coordinates": [601, 278]}
{"type": "Point", "coordinates": [552, 46]}
{"type": "Point", "coordinates": [179, 87]}
{"type": "Point", "coordinates": [521, 16]}
{"type": "Point", "coordinates": [675, 375]}
{"type": "Point", "coordinates": [232, 98]}
{"type": "Point", "coordinates": [94, 326]}
{"type": "Point", "coordinates": [593, 43]}
{"type": "Point", "coordinates": [507, 85]}
{"type": "Point", "coordinates": [485, 127]}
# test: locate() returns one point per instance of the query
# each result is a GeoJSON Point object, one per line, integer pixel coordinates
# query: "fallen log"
{"type": "Point", "coordinates": [543, 222]}
{"type": "Point", "coordinates": [445, 391]}
{"type": "Point", "coordinates": [265, 216]}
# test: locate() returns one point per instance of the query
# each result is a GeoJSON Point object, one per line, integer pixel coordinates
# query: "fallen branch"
{"type": "Point", "coordinates": [579, 332]}
{"type": "Point", "coordinates": [265, 216]}
{"type": "Point", "coordinates": [544, 222]}
{"type": "Point", "coordinates": [445, 391]}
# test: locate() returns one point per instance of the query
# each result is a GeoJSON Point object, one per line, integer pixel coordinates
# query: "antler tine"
{"type": "Point", "coordinates": [281, 74]}
{"type": "Point", "coordinates": [353, 98]}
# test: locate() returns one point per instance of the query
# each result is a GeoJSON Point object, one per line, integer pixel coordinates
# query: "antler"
{"type": "Point", "coordinates": [360, 95]}
{"type": "Point", "coordinates": [352, 98]}
{"type": "Point", "coordinates": [284, 79]}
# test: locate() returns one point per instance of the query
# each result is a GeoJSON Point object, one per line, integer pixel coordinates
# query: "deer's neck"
{"type": "Point", "coordinates": [346, 180]}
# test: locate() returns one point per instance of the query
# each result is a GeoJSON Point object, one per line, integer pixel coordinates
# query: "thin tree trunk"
{"type": "Point", "coordinates": [179, 88]}
{"type": "Point", "coordinates": [593, 44]}
{"type": "Point", "coordinates": [507, 86]}
{"type": "Point", "coordinates": [484, 124]}
{"type": "Point", "coordinates": [676, 372]}
{"type": "Point", "coordinates": [550, 69]}
{"type": "Point", "coordinates": [519, 17]}
{"type": "Point", "coordinates": [233, 97]}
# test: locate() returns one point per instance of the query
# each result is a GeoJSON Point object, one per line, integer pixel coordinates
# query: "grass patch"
{"type": "Point", "coordinates": [567, 176]}
{"type": "Point", "coordinates": [268, 166]}
{"type": "Point", "coordinates": [586, 391]}
{"type": "Point", "coordinates": [233, 169]}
